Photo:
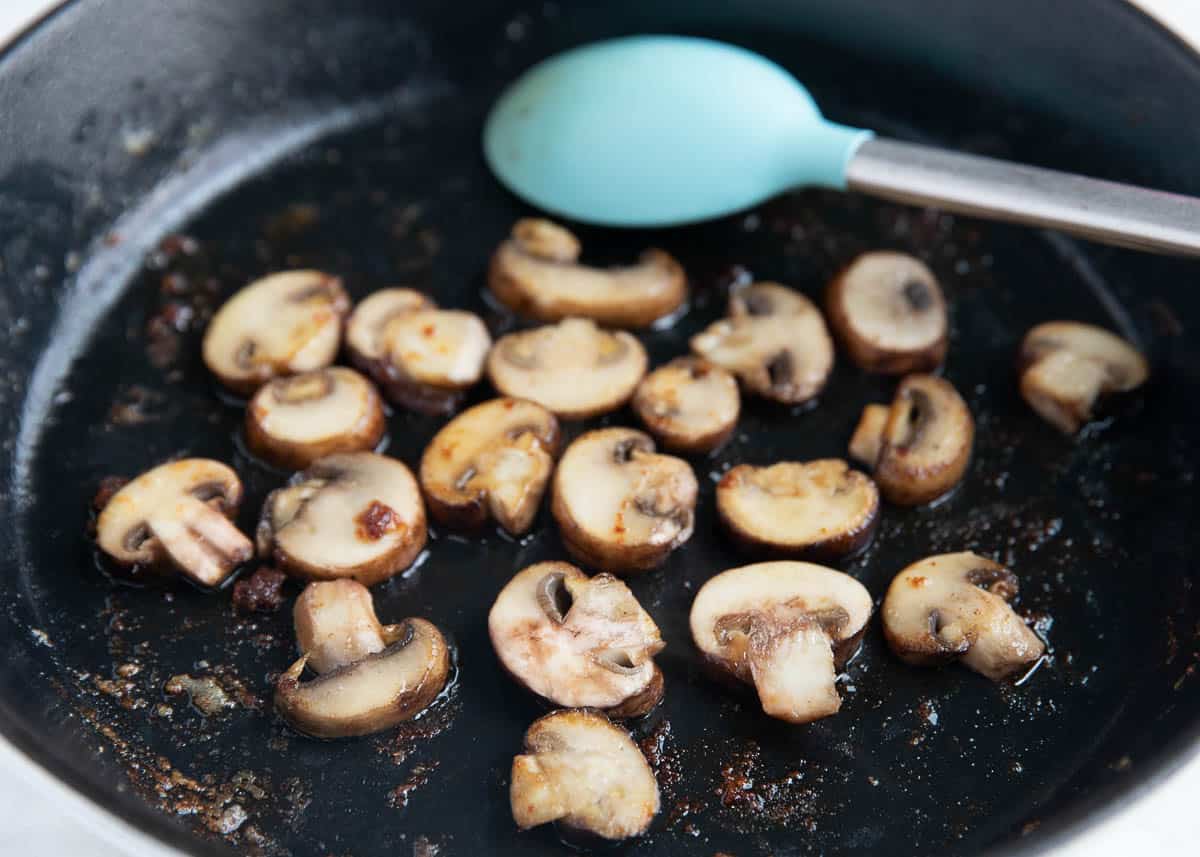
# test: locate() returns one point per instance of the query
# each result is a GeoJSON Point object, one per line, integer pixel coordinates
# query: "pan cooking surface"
{"type": "Point", "coordinates": [916, 760]}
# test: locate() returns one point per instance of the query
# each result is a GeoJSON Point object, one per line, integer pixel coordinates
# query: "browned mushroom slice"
{"type": "Point", "coordinates": [371, 694]}
{"type": "Point", "coordinates": [291, 422]}
{"type": "Point", "coordinates": [785, 628]}
{"type": "Point", "coordinates": [336, 624]}
{"type": "Point", "coordinates": [573, 368]}
{"type": "Point", "coordinates": [956, 607]}
{"type": "Point", "coordinates": [690, 405]}
{"type": "Point", "coordinates": [921, 451]}
{"type": "Point", "coordinates": [492, 461]}
{"type": "Point", "coordinates": [576, 641]}
{"type": "Point", "coordinates": [817, 510]}
{"type": "Point", "coordinates": [620, 506]}
{"type": "Point", "coordinates": [888, 312]}
{"type": "Point", "coordinates": [536, 272]}
{"type": "Point", "coordinates": [586, 773]}
{"type": "Point", "coordinates": [177, 516]}
{"type": "Point", "coordinates": [354, 514]}
{"type": "Point", "coordinates": [365, 341]}
{"type": "Point", "coordinates": [774, 341]}
{"type": "Point", "coordinates": [1065, 366]}
{"type": "Point", "coordinates": [280, 325]}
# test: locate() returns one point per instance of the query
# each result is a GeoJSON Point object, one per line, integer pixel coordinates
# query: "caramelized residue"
{"type": "Point", "coordinates": [376, 521]}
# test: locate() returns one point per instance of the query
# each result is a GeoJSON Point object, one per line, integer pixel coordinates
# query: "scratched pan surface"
{"type": "Point", "coordinates": [279, 135]}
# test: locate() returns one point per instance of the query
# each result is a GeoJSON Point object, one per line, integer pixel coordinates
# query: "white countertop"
{"type": "Point", "coordinates": [33, 809]}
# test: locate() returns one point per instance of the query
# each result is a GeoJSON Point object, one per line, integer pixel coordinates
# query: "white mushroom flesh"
{"type": "Point", "coordinates": [579, 642]}
{"type": "Point", "coordinates": [438, 347]}
{"type": "Point", "coordinates": [581, 770]}
{"type": "Point", "coordinates": [573, 368]}
{"type": "Point", "coordinates": [336, 624]}
{"type": "Point", "coordinates": [279, 325]}
{"type": "Point", "coordinates": [366, 325]}
{"type": "Point", "coordinates": [178, 514]}
{"type": "Point", "coordinates": [957, 606]}
{"type": "Point", "coordinates": [868, 434]}
{"type": "Point", "coordinates": [688, 404]}
{"type": "Point", "coordinates": [780, 626]}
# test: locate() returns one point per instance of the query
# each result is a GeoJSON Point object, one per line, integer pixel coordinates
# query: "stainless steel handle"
{"type": "Point", "coordinates": [967, 184]}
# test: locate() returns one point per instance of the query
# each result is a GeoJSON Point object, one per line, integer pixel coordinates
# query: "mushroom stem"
{"type": "Point", "coordinates": [541, 800]}
{"type": "Point", "coordinates": [794, 673]}
{"type": "Point", "coordinates": [201, 542]}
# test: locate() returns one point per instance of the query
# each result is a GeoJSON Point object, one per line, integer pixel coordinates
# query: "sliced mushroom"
{"type": "Point", "coordinates": [177, 516]}
{"type": "Point", "coordinates": [279, 325]}
{"type": "Point", "coordinates": [785, 628]}
{"type": "Point", "coordinates": [354, 514]}
{"type": "Point", "coordinates": [291, 422]}
{"type": "Point", "coordinates": [371, 694]}
{"type": "Point", "coordinates": [432, 357]}
{"type": "Point", "coordinates": [774, 341]}
{"type": "Point", "coordinates": [365, 341]}
{"type": "Point", "coordinates": [577, 641]}
{"type": "Point", "coordinates": [336, 624]}
{"type": "Point", "coordinates": [573, 368]}
{"type": "Point", "coordinates": [586, 773]}
{"type": "Point", "coordinates": [816, 510]}
{"type": "Point", "coordinates": [921, 451]}
{"type": "Point", "coordinates": [1066, 365]}
{"type": "Point", "coordinates": [956, 606]}
{"type": "Point", "coordinates": [888, 312]}
{"type": "Point", "coordinates": [536, 272]}
{"type": "Point", "coordinates": [492, 461]}
{"type": "Point", "coordinates": [620, 506]}
{"type": "Point", "coordinates": [690, 405]}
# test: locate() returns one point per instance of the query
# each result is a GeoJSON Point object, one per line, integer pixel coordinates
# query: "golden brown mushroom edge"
{"type": "Point", "coordinates": [536, 272]}
{"type": "Point", "coordinates": [177, 516]}
{"type": "Point", "coordinates": [584, 772]}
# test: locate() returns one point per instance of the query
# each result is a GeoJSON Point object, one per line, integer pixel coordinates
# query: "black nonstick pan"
{"type": "Point", "coordinates": [155, 155]}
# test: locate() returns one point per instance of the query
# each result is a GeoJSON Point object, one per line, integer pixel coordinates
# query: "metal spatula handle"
{"type": "Point", "coordinates": [1102, 211]}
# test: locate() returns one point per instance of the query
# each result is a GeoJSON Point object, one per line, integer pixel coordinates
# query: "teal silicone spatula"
{"type": "Point", "coordinates": [663, 130]}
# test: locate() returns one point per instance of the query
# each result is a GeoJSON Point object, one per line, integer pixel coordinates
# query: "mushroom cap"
{"type": "Point", "coordinates": [775, 342]}
{"type": "Point", "coordinates": [336, 624]}
{"type": "Point", "coordinates": [177, 515]}
{"type": "Point", "coordinates": [956, 606]}
{"type": "Point", "coordinates": [585, 772]}
{"type": "Point", "coordinates": [293, 421]}
{"type": "Point", "coordinates": [620, 506]}
{"type": "Point", "coordinates": [782, 627]}
{"type": "Point", "coordinates": [573, 368]}
{"type": "Point", "coordinates": [279, 325]}
{"type": "Point", "coordinates": [888, 311]}
{"type": "Point", "coordinates": [1066, 365]}
{"type": "Point", "coordinates": [818, 509]}
{"type": "Point", "coordinates": [491, 461]}
{"type": "Point", "coordinates": [536, 272]}
{"type": "Point", "coordinates": [366, 324]}
{"type": "Point", "coordinates": [371, 694]}
{"type": "Point", "coordinates": [689, 404]}
{"type": "Point", "coordinates": [924, 447]}
{"type": "Point", "coordinates": [355, 514]}
{"type": "Point", "coordinates": [577, 641]}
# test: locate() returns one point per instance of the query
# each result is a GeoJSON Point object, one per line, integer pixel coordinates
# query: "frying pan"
{"type": "Point", "coordinates": [287, 133]}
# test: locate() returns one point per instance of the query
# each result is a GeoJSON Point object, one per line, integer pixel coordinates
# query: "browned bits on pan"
{"type": "Point", "coordinates": [261, 592]}
{"type": "Point", "coordinates": [108, 486]}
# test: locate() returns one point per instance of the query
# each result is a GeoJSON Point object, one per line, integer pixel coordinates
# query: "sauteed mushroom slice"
{"type": "Point", "coordinates": [371, 694]}
{"type": "Point", "coordinates": [536, 272]}
{"type": "Point", "coordinates": [1066, 366]}
{"type": "Point", "coordinates": [365, 327]}
{"type": "Point", "coordinates": [888, 312]}
{"type": "Point", "coordinates": [573, 368]}
{"type": "Point", "coordinates": [491, 461]}
{"type": "Point", "coordinates": [957, 607]}
{"type": "Point", "coordinates": [177, 516]}
{"type": "Point", "coordinates": [279, 325]}
{"type": "Point", "coordinates": [620, 506]}
{"type": "Point", "coordinates": [921, 451]}
{"type": "Point", "coordinates": [432, 357]}
{"type": "Point", "coordinates": [774, 341]}
{"type": "Point", "coordinates": [689, 404]}
{"type": "Point", "coordinates": [356, 515]}
{"type": "Point", "coordinates": [291, 422]}
{"type": "Point", "coordinates": [577, 641]}
{"type": "Point", "coordinates": [581, 770]}
{"type": "Point", "coordinates": [785, 628]}
{"type": "Point", "coordinates": [817, 510]}
{"type": "Point", "coordinates": [336, 624]}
